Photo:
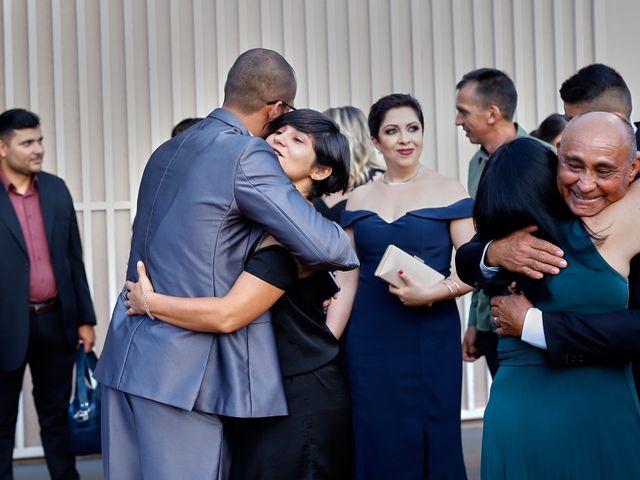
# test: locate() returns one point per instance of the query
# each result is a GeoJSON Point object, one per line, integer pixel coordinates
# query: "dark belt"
{"type": "Point", "coordinates": [41, 307]}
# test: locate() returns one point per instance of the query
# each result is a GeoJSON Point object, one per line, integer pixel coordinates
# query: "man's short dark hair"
{"type": "Point", "coordinates": [493, 87]}
{"type": "Point", "coordinates": [16, 119]}
{"type": "Point", "coordinates": [258, 77]}
{"type": "Point", "coordinates": [598, 87]}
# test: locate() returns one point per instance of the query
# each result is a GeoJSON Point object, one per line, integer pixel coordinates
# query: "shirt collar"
{"type": "Point", "coordinates": [8, 185]}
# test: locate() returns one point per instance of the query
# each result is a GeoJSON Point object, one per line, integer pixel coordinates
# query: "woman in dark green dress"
{"type": "Point", "coordinates": [542, 421]}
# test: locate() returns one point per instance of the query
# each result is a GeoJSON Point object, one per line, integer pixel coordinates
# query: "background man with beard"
{"type": "Point", "coordinates": [45, 304]}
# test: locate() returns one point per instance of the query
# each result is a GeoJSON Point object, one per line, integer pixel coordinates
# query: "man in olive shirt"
{"type": "Point", "coordinates": [486, 102]}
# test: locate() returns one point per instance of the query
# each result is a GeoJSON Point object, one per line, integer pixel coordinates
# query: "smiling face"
{"type": "Point", "coordinates": [23, 153]}
{"type": "Point", "coordinates": [471, 115]}
{"type": "Point", "coordinates": [400, 138]}
{"type": "Point", "coordinates": [594, 169]}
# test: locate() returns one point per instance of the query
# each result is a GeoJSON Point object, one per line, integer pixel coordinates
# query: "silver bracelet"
{"type": "Point", "coordinates": [146, 305]}
{"type": "Point", "coordinates": [457, 286]}
{"type": "Point", "coordinates": [448, 285]}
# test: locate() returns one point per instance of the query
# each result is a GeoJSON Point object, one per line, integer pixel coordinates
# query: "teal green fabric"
{"type": "Point", "coordinates": [480, 309]}
{"type": "Point", "coordinates": [547, 422]}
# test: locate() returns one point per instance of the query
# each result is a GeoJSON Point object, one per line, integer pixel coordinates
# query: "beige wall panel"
{"type": "Point", "coordinates": [19, 65]}
{"type": "Point", "coordinates": [111, 77]}
{"type": "Point", "coordinates": [360, 69]}
{"type": "Point", "coordinates": [103, 297]}
{"type": "Point", "coordinates": [620, 45]}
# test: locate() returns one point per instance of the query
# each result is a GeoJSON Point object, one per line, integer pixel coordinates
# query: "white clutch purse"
{"type": "Point", "coordinates": [395, 259]}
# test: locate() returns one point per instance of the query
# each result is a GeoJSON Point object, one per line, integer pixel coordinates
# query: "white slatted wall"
{"type": "Point", "coordinates": [111, 77]}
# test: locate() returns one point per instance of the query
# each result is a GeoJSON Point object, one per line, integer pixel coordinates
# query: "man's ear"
{"type": "Point", "coordinates": [494, 114]}
{"type": "Point", "coordinates": [274, 110]}
{"type": "Point", "coordinates": [4, 148]}
{"type": "Point", "coordinates": [635, 168]}
{"type": "Point", "coordinates": [320, 172]}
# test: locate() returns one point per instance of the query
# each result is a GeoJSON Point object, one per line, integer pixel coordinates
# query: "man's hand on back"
{"type": "Point", "coordinates": [523, 253]}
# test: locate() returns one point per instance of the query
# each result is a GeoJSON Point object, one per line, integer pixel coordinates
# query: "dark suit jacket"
{"type": "Point", "coordinates": [66, 257]}
{"type": "Point", "coordinates": [573, 338]}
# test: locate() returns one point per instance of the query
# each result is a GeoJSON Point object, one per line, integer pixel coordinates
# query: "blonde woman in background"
{"type": "Point", "coordinates": [365, 163]}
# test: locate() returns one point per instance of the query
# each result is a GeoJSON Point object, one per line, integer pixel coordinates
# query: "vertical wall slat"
{"type": "Point", "coordinates": [221, 46]}
{"type": "Point", "coordinates": [457, 32]}
{"type": "Point", "coordinates": [131, 107]}
{"type": "Point", "coordinates": [396, 46]}
{"type": "Point", "coordinates": [311, 55]}
{"type": "Point", "coordinates": [538, 52]}
{"type": "Point", "coordinates": [441, 102]}
{"type": "Point", "coordinates": [478, 38]}
{"type": "Point", "coordinates": [32, 34]}
{"type": "Point", "coordinates": [265, 24]}
{"type": "Point", "coordinates": [578, 28]}
{"type": "Point", "coordinates": [519, 59]}
{"type": "Point", "coordinates": [333, 79]}
{"type": "Point", "coordinates": [85, 137]}
{"type": "Point", "coordinates": [199, 57]}
{"type": "Point", "coordinates": [558, 41]}
{"type": "Point", "coordinates": [107, 133]}
{"type": "Point", "coordinates": [7, 27]}
{"type": "Point", "coordinates": [599, 31]}
{"type": "Point", "coordinates": [176, 56]}
{"type": "Point", "coordinates": [154, 73]}
{"type": "Point", "coordinates": [58, 83]}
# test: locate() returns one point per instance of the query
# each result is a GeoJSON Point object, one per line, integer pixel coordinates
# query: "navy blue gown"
{"type": "Point", "coordinates": [405, 363]}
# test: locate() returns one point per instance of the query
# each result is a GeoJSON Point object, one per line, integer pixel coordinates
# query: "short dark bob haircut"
{"type": "Point", "coordinates": [395, 100]}
{"type": "Point", "coordinates": [331, 147]}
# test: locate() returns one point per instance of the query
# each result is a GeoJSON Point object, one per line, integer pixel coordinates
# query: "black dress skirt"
{"type": "Point", "coordinates": [315, 440]}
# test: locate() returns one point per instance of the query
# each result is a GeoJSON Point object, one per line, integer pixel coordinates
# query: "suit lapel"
{"type": "Point", "coordinates": [9, 217]}
{"type": "Point", "coordinates": [47, 206]}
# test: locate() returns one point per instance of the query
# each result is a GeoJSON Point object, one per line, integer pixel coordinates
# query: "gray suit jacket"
{"type": "Point", "coordinates": [204, 199]}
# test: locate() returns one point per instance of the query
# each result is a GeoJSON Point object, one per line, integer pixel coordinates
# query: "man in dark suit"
{"type": "Point", "coordinates": [45, 304]}
{"type": "Point", "coordinates": [206, 196]}
{"type": "Point", "coordinates": [570, 339]}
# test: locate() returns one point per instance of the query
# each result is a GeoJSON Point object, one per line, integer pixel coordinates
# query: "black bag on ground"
{"type": "Point", "coordinates": [84, 409]}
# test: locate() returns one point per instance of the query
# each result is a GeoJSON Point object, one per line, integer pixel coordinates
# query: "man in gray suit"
{"type": "Point", "coordinates": [205, 198]}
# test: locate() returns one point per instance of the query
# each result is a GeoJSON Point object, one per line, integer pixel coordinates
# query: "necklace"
{"type": "Point", "coordinates": [401, 182]}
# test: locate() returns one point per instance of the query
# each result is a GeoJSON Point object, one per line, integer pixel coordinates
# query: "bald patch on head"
{"type": "Point", "coordinates": [595, 125]}
{"type": "Point", "coordinates": [257, 77]}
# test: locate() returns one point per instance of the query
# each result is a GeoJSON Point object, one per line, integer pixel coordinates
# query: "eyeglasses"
{"type": "Point", "coordinates": [291, 109]}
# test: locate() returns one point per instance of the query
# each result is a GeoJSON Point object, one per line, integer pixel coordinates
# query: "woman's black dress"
{"type": "Point", "coordinates": [315, 440]}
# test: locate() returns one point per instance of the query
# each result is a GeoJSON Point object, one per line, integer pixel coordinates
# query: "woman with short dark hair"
{"type": "Point", "coordinates": [403, 342]}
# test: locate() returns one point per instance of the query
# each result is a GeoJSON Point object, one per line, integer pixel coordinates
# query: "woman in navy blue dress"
{"type": "Point", "coordinates": [403, 344]}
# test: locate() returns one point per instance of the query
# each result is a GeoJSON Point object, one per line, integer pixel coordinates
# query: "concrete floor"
{"type": "Point", "coordinates": [90, 468]}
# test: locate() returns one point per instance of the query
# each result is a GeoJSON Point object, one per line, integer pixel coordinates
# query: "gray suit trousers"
{"type": "Point", "coordinates": [143, 439]}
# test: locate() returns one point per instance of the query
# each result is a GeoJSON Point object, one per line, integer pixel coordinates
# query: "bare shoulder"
{"type": "Point", "coordinates": [358, 199]}
{"type": "Point", "coordinates": [450, 189]}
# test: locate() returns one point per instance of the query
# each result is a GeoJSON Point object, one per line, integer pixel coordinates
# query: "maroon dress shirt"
{"type": "Point", "coordinates": [42, 282]}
